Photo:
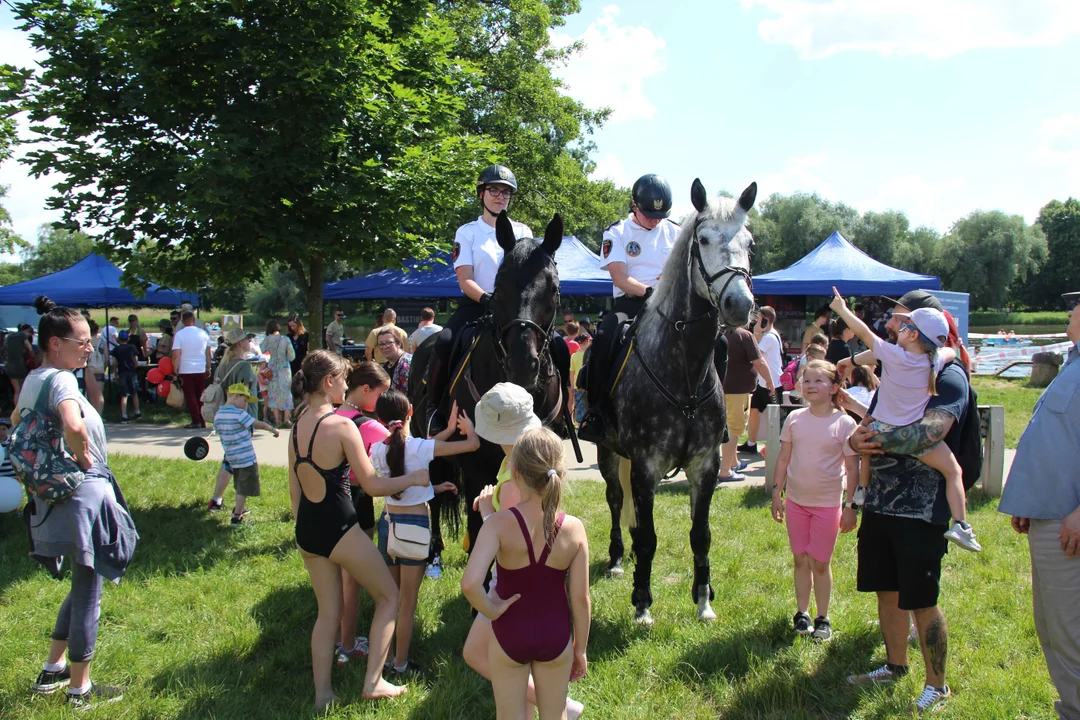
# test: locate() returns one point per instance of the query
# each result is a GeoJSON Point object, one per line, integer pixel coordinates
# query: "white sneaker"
{"type": "Point", "coordinates": [962, 534]}
{"type": "Point", "coordinates": [573, 709]}
{"type": "Point", "coordinates": [733, 477]}
{"type": "Point", "coordinates": [931, 699]}
{"type": "Point", "coordinates": [434, 570]}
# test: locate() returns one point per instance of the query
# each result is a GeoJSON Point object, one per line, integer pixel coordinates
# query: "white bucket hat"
{"type": "Point", "coordinates": [504, 413]}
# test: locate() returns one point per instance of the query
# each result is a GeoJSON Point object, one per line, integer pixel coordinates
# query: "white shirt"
{"type": "Point", "coordinates": [192, 343]}
{"type": "Point", "coordinates": [111, 335]}
{"type": "Point", "coordinates": [769, 345]}
{"type": "Point", "coordinates": [423, 332]}
{"type": "Point", "coordinates": [418, 455]}
{"type": "Point", "coordinates": [905, 378]}
{"type": "Point", "coordinates": [475, 245]}
{"type": "Point", "coordinates": [643, 251]}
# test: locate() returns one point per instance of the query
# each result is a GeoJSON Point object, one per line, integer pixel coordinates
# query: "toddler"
{"type": "Point", "coordinates": [233, 425]}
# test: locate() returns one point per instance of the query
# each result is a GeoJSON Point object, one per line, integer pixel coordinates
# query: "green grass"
{"type": "Point", "coordinates": [1015, 396]}
{"type": "Point", "coordinates": [1006, 320]}
{"type": "Point", "coordinates": [215, 623]}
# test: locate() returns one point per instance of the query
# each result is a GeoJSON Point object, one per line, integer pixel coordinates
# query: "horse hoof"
{"type": "Point", "coordinates": [615, 571]}
{"type": "Point", "coordinates": [706, 614]}
{"type": "Point", "coordinates": [644, 617]}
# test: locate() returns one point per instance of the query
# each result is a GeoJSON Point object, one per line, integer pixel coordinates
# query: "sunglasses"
{"type": "Point", "coordinates": [88, 342]}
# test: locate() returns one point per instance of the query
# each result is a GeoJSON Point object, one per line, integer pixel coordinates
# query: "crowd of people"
{"type": "Point", "coordinates": [349, 444]}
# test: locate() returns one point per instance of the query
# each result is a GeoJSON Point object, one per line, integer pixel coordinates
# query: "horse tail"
{"type": "Point", "coordinates": [446, 505]}
{"type": "Point", "coordinates": [629, 512]}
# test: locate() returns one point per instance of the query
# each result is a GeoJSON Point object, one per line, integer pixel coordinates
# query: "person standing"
{"type": "Point", "coordinates": [839, 336]}
{"type": "Point", "coordinates": [389, 322]}
{"type": "Point", "coordinates": [164, 343]}
{"type": "Point", "coordinates": [335, 333]}
{"type": "Point", "coordinates": [821, 321]}
{"type": "Point", "coordinates": [140, 338]}
{"type": "Point", "coordinates": [744, 365]}
{"type": "Point", "coordinates": [397, 362]}
{"type": "Point", "coordinates": [901, 539]}
{"type": "Point", "coordinates": [634, 251]}
{"type": "Point", "coordinates": [187, 307]}
{"type": "Point", "coordinates": [18, 349]}
{"type": "Point", "coordinates": [92, 528]}
{"type": "Point", "coordinates": [279, 395]}
{"type": "Point", "coordinates": [298, 336]}
{"type": "Point", "coordinates": [1043, 497]}
{"type": "Point", "coordinates": [477, 256]}
{"type": "Point", "coordinates": [424, 330]}
{"type": "Point", "coordinates": [771, 348]}
{"type": "Point", "coordinates": [191, 359]}
{"type": "Point", "coordinates": [174, 320]}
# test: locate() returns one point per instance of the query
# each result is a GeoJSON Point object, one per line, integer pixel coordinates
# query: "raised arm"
{"type": "Point", "coordinates": [471, 442]}
{"type": "Point", "coordinates": [360, 463]}
{"type": "Point", "coordinates": [861, 329]}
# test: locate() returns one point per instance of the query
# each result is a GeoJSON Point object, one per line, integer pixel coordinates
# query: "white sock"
{"type": "Point", "coordinates": [216, 500]}
{"type": "Point", "coordinates": [402, 668]}
{"type": "Point", "coordinates": [55, 667]}
{"type": "Point", "coordinates": [80, 691]}
{"type": "Point", "coordinates": [573, 709]}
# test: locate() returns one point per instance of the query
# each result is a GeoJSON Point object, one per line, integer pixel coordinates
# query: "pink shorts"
{"type": "Point", "coordinates": [812, 530]}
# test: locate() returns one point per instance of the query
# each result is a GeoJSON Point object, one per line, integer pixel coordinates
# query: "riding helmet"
{"type": "Point", "coordinates": [499, 175]}
{"type": "Point", "coordinates": [652, 195]}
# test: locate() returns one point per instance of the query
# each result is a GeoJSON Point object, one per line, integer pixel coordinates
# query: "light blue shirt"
{"type": "Point", "coordinates": [1044, 483]}
{"type": "Point", "coordinates": [233, 427]}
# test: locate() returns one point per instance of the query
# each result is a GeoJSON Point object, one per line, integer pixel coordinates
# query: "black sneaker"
{"type": "Point", "coordinates": [97, 695]}
{"type": "Point", "coordinates": [215, 505]}
{"type": "Point", "coordinates": [748, 448]}
{"type": "Point", "coordinates": [123, 418]}
{"type": "Point", "coordinates": [49, 682]}
{"type": "Point", "coordinates": [237, 519]}
{"type": "Point", "coordinates": [592, 428]}
{"type": "Point", "coordinates": [822, 629]}
{"type": "Point", "coordinates": [801, 623]}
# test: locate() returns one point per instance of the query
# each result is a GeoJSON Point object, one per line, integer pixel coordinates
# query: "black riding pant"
{"type": "Point", "coordinates": [467, 311]}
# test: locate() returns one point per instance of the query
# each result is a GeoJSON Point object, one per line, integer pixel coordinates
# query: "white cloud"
{"type": "Point", "coordinates": [934, 203]}
{"type": "Point", "coordinates": [612, 68]}
{"type": "Point", "coordinates": [933, 28]}
{"type": "Point", "coordinates": [1058, 142]}
{"type": "Point", "coordinates": [801, 174]}
{"type": "Point", "coordinates": [609, 167]}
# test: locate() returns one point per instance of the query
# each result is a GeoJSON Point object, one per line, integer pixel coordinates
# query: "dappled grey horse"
{"type": "Point", "coordinates": [667, 400]}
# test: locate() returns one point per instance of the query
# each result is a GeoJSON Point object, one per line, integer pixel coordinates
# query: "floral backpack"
{"type": "Point", "coordinates": [39, 455]}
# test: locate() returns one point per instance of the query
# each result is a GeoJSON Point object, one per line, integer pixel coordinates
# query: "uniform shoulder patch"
{"type": "Point", "coordinates": [605, 249]}
{"type": "Point", "coordinates": [457, 251]}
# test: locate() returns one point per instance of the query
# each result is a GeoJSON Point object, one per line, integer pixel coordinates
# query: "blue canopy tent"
{"type": "Point", "coordinates": [837, 262]}
{"type": "Point", "coordinates": [579, 274]}
{"type": "Point", "coordinates": [91, 282]}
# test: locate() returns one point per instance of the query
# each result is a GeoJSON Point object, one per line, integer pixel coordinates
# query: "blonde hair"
{"type": "Point", "coordinates": [829, 370]}
{"type": "Point", "coordinates": [815, 352]}
{"type": "Point", "coordinates": [538, 460]}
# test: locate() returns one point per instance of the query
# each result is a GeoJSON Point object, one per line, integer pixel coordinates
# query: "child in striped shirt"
{"type": "Point", "coordinates": [233, 425]}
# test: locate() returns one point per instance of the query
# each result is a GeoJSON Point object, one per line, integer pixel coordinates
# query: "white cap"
{"type": "Point", "coordinates": [931, 324]}
{"type": "Point", "coordinates": [504, 413]}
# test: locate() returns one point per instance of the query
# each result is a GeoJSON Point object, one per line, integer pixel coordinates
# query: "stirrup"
{"type": "Point", "coordinates": [592, 427]}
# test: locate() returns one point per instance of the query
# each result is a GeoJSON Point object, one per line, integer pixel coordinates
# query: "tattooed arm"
{"type": "Point", "coordinates": [911, 439]}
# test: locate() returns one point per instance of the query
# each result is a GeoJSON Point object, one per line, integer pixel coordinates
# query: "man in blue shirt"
{"type": "Point", "coordinates": [1043, 496]}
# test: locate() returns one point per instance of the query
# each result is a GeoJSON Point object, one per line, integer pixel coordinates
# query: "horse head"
{"type": "Point", "coordinates": [526, 301]}
{"type": "Point", "coordinates": [720, 253]}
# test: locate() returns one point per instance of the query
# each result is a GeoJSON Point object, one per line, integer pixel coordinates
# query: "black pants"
{"type": "Point", "coordinates": [467, 311]}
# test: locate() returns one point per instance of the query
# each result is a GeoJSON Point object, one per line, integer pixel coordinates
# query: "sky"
{"type": "Point", "coordinates": [935, 108]}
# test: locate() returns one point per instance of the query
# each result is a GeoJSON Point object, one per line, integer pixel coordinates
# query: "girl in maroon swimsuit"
{"type": "Point", "coordinates": [539, 552]}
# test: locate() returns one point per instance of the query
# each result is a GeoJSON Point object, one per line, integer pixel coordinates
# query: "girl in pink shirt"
{"type": "Point", "coordinates": [814, 463]}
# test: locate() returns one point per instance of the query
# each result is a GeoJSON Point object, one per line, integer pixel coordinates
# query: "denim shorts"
{"type": "Point", "coordinates": [384, 535]}
{"type": "Point", "coordinates": [129, 384]}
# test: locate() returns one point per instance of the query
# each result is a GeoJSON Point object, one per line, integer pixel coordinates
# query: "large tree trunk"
{"type": "Point", "coordinates": [311, 281]}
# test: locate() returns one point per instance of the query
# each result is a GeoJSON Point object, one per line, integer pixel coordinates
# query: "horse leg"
{"type": "Point", "coordinates": [609, 469]}
{"type": "Point", "coordinates": [643, 488]}
{"type": "Point", "coordinates": [702, 477]}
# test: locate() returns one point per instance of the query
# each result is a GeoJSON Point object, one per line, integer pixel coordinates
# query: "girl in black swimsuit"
{"type": "Point", "coordinates": [326, 528]}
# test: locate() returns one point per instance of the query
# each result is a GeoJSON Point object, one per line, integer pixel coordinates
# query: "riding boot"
{"type": "Point", "coordinates": [593, 426]}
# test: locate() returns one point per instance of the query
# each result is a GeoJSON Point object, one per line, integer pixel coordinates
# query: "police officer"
{"type": "Point", "coordinates": [634, 251]}
{"type": "Point", "coordinates": [477, 257]}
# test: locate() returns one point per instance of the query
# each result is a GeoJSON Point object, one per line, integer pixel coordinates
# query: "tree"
{"type": "Point", "coordinates": [55, 250]}
{"type": "Point", "coordinates": [788, 227]}
{"type": "Point", "coordinates": [880, 234]}
{"type": "Point", "coordinates": [207, 137]}
{"type": "Point", "coordinates": [1060, 222]}
{"type": "Point", "coordinates": [987, 252]}
{"type": "Point", "coordinates": [12, 82]}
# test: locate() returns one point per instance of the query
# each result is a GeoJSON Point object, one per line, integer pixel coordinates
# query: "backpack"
{"type": "Point", "coordinates": [213, 397]}
{"type": "Point", "coordinates": [787, 378]}
{"type": "Point", "coordinates": [38, 453]}
{"type": "Point", "coordinates": [969, 452]}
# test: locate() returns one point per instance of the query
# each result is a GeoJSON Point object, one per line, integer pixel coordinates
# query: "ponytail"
{"type": "Point", "coordinates": [392, 410]}
{"type": "Point", "coordinates": [538, 460]}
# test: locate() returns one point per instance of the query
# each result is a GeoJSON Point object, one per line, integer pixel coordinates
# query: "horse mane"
{"type": "Point", "coordinates": [522, 254]}
{"type": "Point", "coordinates": [723, 209]}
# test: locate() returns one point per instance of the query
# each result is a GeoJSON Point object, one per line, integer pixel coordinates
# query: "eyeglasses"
{"type": "Point", "coordinates": [88, 342]}
{"type": "Point", "coordinates": [387, 344]}
{"type": "Point", "coordinates": [497, 192]}
{"type": "Point", "coordinates": [340, 315]}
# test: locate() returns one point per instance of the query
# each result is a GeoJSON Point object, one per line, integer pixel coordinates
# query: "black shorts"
{"type": "Point", "coordinates": [761, 399]}
{"type": "Point", "coordinates": [365, 509]}
{"type": "Point", "coordinates": [899, 554]}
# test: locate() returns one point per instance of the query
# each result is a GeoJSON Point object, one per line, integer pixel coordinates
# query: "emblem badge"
{"type": "Point", "coordinates": [658, 204]}
{"type": "Point", "coordinates": [504, 173]}
{"type": "Point", "coordinates": [606, 248]}
{"type": "Point", "coordinates": [457, 251]}
{"type": "Point", "coordinates": [633, 249]}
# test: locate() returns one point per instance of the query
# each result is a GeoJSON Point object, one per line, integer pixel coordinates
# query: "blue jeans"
{"type": "Point", "coordinates": [77, 621]}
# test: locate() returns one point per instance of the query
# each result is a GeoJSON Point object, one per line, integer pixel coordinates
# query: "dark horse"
{"type": "Point", "coordinates": [511, 344]}
{"type": "Point", "coordinates": [668, 405]}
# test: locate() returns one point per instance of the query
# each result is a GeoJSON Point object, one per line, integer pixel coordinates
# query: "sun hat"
{"type": "Point", "coordinates": [236, 334]}
{"type": "Point", "coordinates": [196, 448]}
{"type": "Point", "coordinates": [930, 323]}
{"type": "Point", "coordinates": [915, 299]}
{"type": "Point", "coordinates": [241, 389]}
{"type": "Point", "coordinates": [504, 413]}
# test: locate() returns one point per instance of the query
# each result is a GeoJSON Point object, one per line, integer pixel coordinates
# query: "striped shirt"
{"type": "Point", "coordinates": [5, 465]}
{"type": "Point", "coordinates": [233, 426]}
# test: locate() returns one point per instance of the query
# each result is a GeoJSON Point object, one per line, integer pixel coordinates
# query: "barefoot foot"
{"type": "Point", "coordinates": [384, 689]}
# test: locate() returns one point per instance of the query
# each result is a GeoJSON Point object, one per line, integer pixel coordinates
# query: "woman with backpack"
{"type": "Point", "coordinates": [79, 527]}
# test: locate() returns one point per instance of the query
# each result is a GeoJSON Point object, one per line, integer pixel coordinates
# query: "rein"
{"type": "Point", "coordinates": [543, 336]}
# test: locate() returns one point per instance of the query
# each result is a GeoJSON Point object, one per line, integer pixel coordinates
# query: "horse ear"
{"type": "Point", "coordinates": [504, 232]}
{"type": "Point", "coordinates": [746, 200]}
{"type": "Point", "coordinates": [553, 235]}
{"type": "Point", "coordinates": [698, 196]}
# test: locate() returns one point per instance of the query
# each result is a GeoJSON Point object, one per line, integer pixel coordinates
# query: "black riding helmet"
{"type": "Point", "coordinates": [652, 195]}
{"type": "Point", "coordinates": [498, 175]}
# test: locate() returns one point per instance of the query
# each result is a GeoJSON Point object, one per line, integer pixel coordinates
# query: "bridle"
{"type": "Point", "coordinates": [733, 271]}
{"type": "Point", "coordinates": [524, 323]}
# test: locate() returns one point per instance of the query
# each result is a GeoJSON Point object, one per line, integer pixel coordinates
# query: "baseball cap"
{"type": "Point", "coordinates": [504, 413]}
{"type": "Point", "coordinates": [931, 324]}
{"type": "Point", "coordinates": [6, 422]}
{"type": "Point", "coordinates": [241, 389]}
{"type": "Point", "coordinates": [915, 299]}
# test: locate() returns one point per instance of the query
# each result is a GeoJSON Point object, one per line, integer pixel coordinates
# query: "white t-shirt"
{"type": "Point", "coordinates": [905, 377]}
{"type": "Point", "coordinates": [475, 245]}
{"type": "Point", "coordinates": [192, 343]}
{"type": "Point", "coordinates": [421, 334]}
{"type": "Point", "coordinates": [66, 387]}
{"type": "Point", "coordinates": [418, 455]}
{"type": "Point", "coordinates": [643, 251]}
{"type": "Point", "coordinates": [769, 345]}
{"type": "Point", "coordinates": [112, 337]}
